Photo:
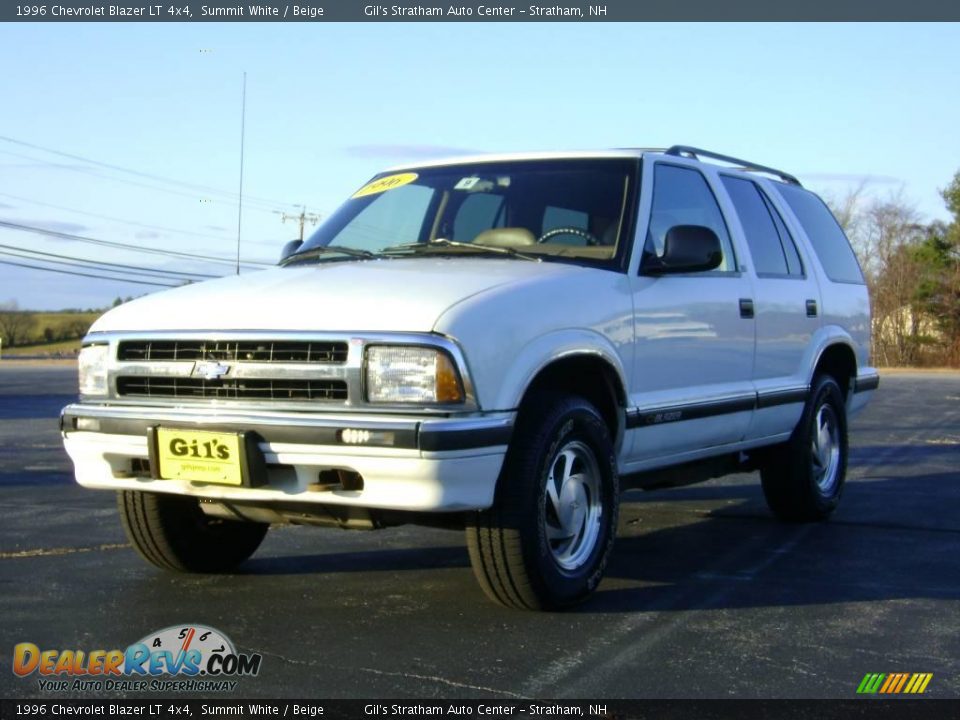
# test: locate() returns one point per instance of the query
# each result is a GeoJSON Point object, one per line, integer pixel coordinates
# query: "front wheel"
{"type": "Point", "coordinates": [803, 479]}
{"type": "Point", "coordinates": [173, 533]}
{"type": "Point", "coordinates": [545, 542]}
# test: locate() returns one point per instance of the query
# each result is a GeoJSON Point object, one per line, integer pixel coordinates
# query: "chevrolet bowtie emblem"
{"type": "Point", "coordinates": [210, 370]}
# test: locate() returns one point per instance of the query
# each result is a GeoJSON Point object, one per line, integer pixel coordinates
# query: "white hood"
{"type": "Point", "coordinates": [401, 294]}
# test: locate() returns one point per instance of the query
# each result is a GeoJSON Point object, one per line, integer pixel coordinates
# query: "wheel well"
{"type": "Point", "coordinates": [590, 377]}
{"type": "Point", "coordinates": [839, 362]}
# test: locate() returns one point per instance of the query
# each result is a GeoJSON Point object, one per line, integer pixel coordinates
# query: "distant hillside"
{"type": "Point", "coordinates": [54, 333]}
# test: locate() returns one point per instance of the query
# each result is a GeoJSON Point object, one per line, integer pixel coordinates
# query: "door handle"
{"type": "Point", "coordinates": [811, 308]}
{"type": "Point", "coordinates": [746, 308]}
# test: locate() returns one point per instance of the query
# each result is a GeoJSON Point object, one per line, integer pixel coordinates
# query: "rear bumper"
{"type": "Point", "coordinates": [406, 463]}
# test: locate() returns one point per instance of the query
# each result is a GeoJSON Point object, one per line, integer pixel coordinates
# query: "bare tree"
{"type": "Point", "coordinates": [15, 324]}
{"type": "Point", "coordinates": [847, 207]}
{"type": "Point", "coordinates": [884, 233]}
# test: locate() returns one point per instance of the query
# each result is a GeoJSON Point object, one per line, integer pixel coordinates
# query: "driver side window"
{"type": "Point", "coordinates": [681, 196]}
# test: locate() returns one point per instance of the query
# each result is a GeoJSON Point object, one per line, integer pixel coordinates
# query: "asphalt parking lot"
{"type": "Point", "coordinates": [706, 596]}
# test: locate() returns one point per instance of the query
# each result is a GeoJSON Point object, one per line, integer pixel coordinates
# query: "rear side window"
{"type": "Point", "coordinates": [826, 236]}
{"type": "Point", "coordinates": [770, 244]}
{"type": "Point", "coordinates": [762, 236]}
{"type": "Point", "coordinates": [794, 265]}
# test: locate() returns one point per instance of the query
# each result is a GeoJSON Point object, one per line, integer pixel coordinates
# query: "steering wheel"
{"type": "Point", "coordinates": [569, 230]}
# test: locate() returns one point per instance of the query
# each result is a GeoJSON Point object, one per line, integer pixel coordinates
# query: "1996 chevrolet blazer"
{"type": "Point", "coordinates": [502, 343]}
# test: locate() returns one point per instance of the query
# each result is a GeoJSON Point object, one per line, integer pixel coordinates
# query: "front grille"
{"type": "Point", "coordinates": [198, 388]}
{"type": "Point", "coordinates": [260, 351]}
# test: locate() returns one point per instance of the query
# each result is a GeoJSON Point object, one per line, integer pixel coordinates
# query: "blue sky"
{"type": "Point", "coordinates": [328, 105]}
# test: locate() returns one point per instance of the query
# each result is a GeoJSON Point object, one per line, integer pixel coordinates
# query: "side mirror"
{"type": "Point", "coordinates": [289, 249]}
{"type": "Point", "coordinates": [686, 249]}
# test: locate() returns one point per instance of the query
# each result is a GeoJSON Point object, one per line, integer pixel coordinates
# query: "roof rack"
{"type": "Point", "coordinates": [695, 153]}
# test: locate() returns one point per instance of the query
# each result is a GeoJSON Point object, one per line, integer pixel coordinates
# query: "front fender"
{"type": "Point", "coordinates": [542, 351]}
{"type": "Point", "coordinates": [508, 334]}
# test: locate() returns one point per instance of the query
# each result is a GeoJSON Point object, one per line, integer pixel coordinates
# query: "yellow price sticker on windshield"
{"type": "Point", "coordinates": [383, 184]}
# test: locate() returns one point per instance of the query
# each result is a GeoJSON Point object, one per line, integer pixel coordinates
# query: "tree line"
{"type": "Point", "coordinates": [21, 327]}
{"type": "Point", "coordinates": [912, 271]}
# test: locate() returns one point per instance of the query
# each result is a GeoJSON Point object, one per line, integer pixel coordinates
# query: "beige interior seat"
{"type": "Point", "coordinates": [505, 237]}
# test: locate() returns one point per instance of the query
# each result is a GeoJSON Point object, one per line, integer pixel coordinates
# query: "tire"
{"type": "Point", "coordinates": [803, 479]}
{"type": "Point", "coordinates": [545, 542]}
{"type": "Point", "coordinates": [173, 533]}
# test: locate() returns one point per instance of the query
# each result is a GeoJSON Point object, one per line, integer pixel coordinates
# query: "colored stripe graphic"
{"type": "Point", "coordinates": [871, 682]}
{"type": "Point", "coordinates": [922, 680]}
{"type": "Point", "coordinates": [894, 683]}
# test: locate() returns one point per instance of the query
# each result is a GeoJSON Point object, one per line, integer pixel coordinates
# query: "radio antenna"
{"type": "Point", "coordinates": [243, 119]}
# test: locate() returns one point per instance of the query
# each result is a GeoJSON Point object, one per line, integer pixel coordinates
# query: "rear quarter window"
{"type": "Point", "coordinates": [827, 238]}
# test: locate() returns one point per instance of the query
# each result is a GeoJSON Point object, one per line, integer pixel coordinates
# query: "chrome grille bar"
{"type": "Point", "coordinates": [243, 389]}
{"type": "Point", "coordinates": [266, 351]}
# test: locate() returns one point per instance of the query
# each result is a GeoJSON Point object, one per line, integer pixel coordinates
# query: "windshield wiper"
{"type": "Point", "coordinates": [444, 243]}
{"type": "Point", "coordinates": [324, 250]}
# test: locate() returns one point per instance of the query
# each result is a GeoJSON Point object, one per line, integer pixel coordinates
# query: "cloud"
{"type": "Point", "coordinates": [147, 235]}
{"type": "Point", "coordinates": [4, 206]}
{"type": "Point", "coordinates": [218, 228]}
{"type": "Point", "coordinates": [51, 225]}
{"type": "Point", "coordinates": [406, 151]}
{"type": "Point", "coordinates": [852, 178]}
{"type": "Point", "coordinates": [43, 165]}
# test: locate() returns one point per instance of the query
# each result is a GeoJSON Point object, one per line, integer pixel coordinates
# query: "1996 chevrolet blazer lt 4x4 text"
{"type": "Point", "coordinates": [502, 343]}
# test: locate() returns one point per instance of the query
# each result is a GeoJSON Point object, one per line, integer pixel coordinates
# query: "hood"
{"type": "Point", "coordinates": [383, 295]}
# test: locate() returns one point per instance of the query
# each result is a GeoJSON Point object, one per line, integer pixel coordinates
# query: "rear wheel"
{"type": "Point", "coordinates": [546, 540]}
{"type": "Point", "coordinates": [803, 479]}
{"type": "Point", "coordinates": [173, 533]}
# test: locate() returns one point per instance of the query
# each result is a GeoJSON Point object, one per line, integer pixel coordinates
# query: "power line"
{"type": "Point", "coordinates": [89, 267]}
{"type": "Point", "coordinates": [126, 181]}
{"type": "Point", "coordinates": [122, 246]}
{"type": "Point", "coordinates": [138, 173]}
{"type": "Point", "coordinates": [174, 274]}
{"type": "Point", "coordinates": [133, 223]}
{"type": "Point", "coordinates": [80, 274]}
{"type": "Point", "coordinates": [111, 218]}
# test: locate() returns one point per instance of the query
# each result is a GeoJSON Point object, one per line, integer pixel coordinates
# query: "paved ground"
{"type": "Point", "coordinates": [706, 596]}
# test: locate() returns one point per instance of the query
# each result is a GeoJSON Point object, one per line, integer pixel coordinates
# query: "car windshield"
{"type": "Point", "coordinates": [572, 210]}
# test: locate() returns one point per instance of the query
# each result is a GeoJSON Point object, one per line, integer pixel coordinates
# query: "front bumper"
{"type": "Point", "coordinates": [414, 464]}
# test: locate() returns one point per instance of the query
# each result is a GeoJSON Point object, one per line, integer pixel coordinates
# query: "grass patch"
{"type": "Point", "coordinates": [51, 332]}
{"type": "Point", "coordinates": [64, 347]}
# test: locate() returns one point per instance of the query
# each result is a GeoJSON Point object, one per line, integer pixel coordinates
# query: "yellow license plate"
{"type": "Point", "coordinates": [199, 455]}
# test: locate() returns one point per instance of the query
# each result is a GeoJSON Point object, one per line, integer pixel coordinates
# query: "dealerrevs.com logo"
{"type": "Point", "coordinates": [180, 658]}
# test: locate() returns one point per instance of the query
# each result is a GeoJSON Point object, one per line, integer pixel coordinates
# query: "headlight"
{"type": "Point", "coordinates": [92, 364]}
{"type": "Point", "coordinates": [399, 374]}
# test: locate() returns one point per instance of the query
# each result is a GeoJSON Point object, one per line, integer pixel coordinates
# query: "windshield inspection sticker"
{"type": "Point", "coordinates": [390, 182]}
{"type": "Point", "coordinates": [467, 183]}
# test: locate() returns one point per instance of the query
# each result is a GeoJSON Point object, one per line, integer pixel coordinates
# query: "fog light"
{"type": "Point", "coordinates": [353, 436]}
{"type": "Point", "coordinates": [88, 424]}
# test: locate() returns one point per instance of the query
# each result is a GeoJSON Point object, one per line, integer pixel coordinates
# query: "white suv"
{"type": "Point", "coordinates": [500, 343]}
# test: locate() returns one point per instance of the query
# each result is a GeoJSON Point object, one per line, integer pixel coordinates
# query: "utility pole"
{"type": "Point", "coordinates": [303, 218]}
{"type": "Point", "coordinates": [243, 129]}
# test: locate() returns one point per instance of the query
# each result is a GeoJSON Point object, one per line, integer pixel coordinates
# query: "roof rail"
{"type": "Point", "coordinates": [695, 153]}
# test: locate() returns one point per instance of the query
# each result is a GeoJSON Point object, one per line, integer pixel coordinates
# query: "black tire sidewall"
{"type": "Point", "coordinates": [825, 391]}
{"type": "Point", "coordinates": [571, 419]}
